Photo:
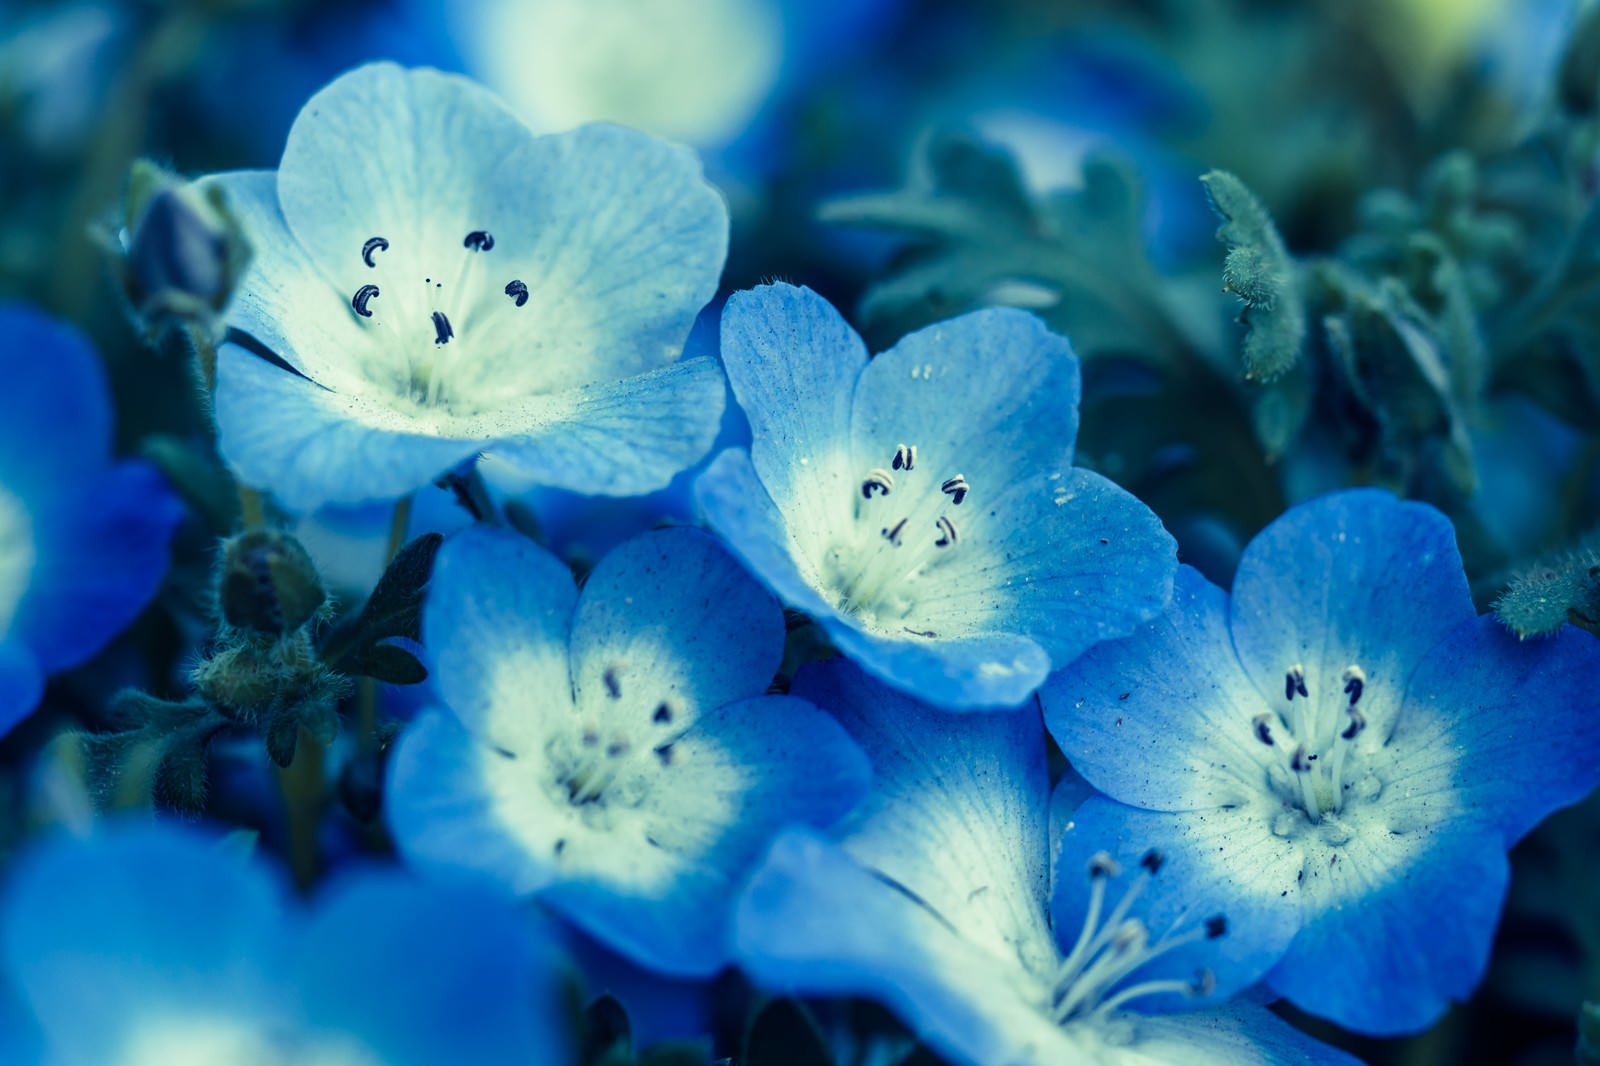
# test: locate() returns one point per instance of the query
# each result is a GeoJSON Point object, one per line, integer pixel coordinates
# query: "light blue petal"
{"type": "Point", "coordinates": [424, 975]}
{"type": "Point", "coordinates": [21, 683]}
{"type": "Point", "coordinates": [670, 620]}
{"type": "Point", "coordinates": [101, 557]}
{"type": "Point", "coordinates": [793, 362]}
{"type": "Point", "coordinates": [496, 621]}
{"type": "Point", "coordinates": [957, 813]}
{"type": "Point", "coordinates": [1212, 865]}
{"type": "Point", "coordinates": [445, 814]}
{"type": "Point", "coordinates": [1067, 559]}
{"type": "Point", "coordinates": [1232, 1034]}
{"type": "Point", "coordinates": [55, 411]}
{"type": "Point", "coordinates": [1498, 730]}
{"type": "Point", "coordinates": [1353, 578]}
{"type": "Point", "coordinates": [736, 778]}
{"type": "Point", "coordinates": [140, 921]}
{"type": "Point", "coordinates": [986, 672]}
{"type": "Point", "coordinates": [813, 922]}
{"type": "Point", "coordinates": [1163, 718]}
{"type": "Point", "coordinates": [615, 438]}
{"type": "Point", "coordinates": [311, 446]}
{"type": "Point", "coordinates": [992, 395]}
{"type": "Point", "coordinates": [1423, 909]}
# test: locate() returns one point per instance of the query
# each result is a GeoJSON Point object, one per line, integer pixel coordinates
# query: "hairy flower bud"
{"type": "Point", "coordinates": [268, 584]}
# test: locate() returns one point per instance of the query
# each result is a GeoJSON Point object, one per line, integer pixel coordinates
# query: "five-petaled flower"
{"type": "Point", "coordinates": [437, 282]}
{"type": "Point", "coordinates": [613, 751]}
{"type": "Point", "coordinates": [937, 901]}
{"type": "Point", "coordinates": [1341, 744]}
{"type": "Point", "coordinates": [922, 506]}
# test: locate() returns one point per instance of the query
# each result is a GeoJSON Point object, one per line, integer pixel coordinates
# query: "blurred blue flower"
{"type": "Point", "coordinates": [1342, 745]}
{"type": "Point", "coordinates": [612, 751]}
{"type": "Point", "coordinates": [83, 539]}
{"type": "Point", "coordinates": [444, 283]}
{"type": "Point", "coordinates": [922, 506]}
{"type": "Point", "coordinates": [937, 901]}
{"type": "Point", "coordinates": [150, 944]}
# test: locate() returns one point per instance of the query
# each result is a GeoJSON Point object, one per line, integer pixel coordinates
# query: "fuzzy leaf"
{"type": "Point", "coordinates": [1553, 591]}
{"type": "Point", "coordinates": [393, 609]}
{"type": "Point", "coordinates": [1260, 272]}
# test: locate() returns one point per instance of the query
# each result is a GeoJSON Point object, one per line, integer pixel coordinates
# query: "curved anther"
{"type": "Point", "coordinates": [1355, 679]}
{"type": "Point", "coordinates": [1301, 762]}
{"type": "Point", "coordinates": [878, 479]}
{"type": "Point", "coordinates": [1152, 860]}
{"type": "Point", "coordinates": [1358, 722]}
{"type": "Point", "coordinates": [1263, 728]}
{"type": "Point", "coordinates": [1294, 682]}
{"type": "Point", "coordinates": [1216, 926]}
{"type": "Point", "coordinates": [1101, 864]}
{"type": "Point", "coordinates": [441, 328]}
{"type": "Point", "coordinates": [359, 300]}
{"type": "Point", "coordinates": [956, 488]}
{"type": "Point", "coordinates": [905, 456]}
{"type": "Point", "coordinates": [478, 241]}
{"type": "Point", "coordinates": [517, 291]}
{"type": "Point", "coordinates": [374, 244]}
{"type": "Point", "coordinates": [948, 531]}
{"type": "Point", "coordinates": [893, 533]}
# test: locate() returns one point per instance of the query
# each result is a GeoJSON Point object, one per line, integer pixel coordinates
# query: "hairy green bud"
{"type": "Point", "coordinates": [1260, 271]}
{"type": "Point", "coordinates": [1554, 591]}
{"type": "Point", "coordinates": [268, 583]}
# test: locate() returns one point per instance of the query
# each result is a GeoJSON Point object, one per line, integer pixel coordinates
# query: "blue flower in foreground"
{"type": "Point", "coordinates": [922, 506]}
{"type": "Point", "coordinates": [938, 903]}
{"type": "Point", "coordinates": [444, 283]}
{"type": "Point", "coordinates": [83, 539]}
{"type": "Point", "coordinates": [153, 946]}
{"type": "Point", "coordinates": [1343, 745]}
{"type": "Point", "coordinates": [612, 750]}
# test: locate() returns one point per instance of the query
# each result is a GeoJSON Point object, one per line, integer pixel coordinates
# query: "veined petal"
{"type": "Point", "coordinates": [497, 619]}
{"type": "Point", "coordinates": [1231, 1034]}
{"type": "Point", "coordinates": [311, 446]}
{"type": "Point", "coordinates": [1355, 578]}
{"type": "Point", "coordinates": [957, 811]}
{"type": "Point", "coordinates": [670, 627]}
{"type": "Point", "coordinates": [1163, 718]}
{"type": "Point", "coordinates": [983, 672]}
{"type": "Point", "coordinates": [992, 395]}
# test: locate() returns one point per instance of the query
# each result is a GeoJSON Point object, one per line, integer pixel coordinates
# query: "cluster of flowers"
{"type": "Point", "coordinates": [1303, 788]}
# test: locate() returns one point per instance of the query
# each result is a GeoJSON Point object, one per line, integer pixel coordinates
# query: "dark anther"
{"type": "Point", "coordinates": [1295, 682]}
{"type": "Point", "coordinates": [663, 715]}
{"type": "Point", "coordinates": [893, 535]}
{"type": "Point", "coordinates": [517, 291]}
{"type": "Point", "coordinates": [957, 488]}
{"type": "Point", "coordinates": [1263, 724]}
{"type": "Point", "coordinates": [561, 845]}
{"type": "Point", "coordinates": [1217, 926]}
{"type": "Point", "coordinates": [1301, 764]}
{"type": "Point", "coordinates": [613, 686]}
{"type": "Point", "coordinates": [590, 738]}
{"type": "Point", "coordinates": [359, 300]}
{"type": "Point", "coordinates": [478, 241]}
{"type": "Point", "coordinates": [374, 244]}
{"type": "Point", "coordinates": [1355, 679]}
{"type": "Point", "coordinates": [1358, 722]}
{"type": "Point", "coordinates": [615, 748]}
{"type": "Point", "coordinates": [948, 530]}
{"type": "Point", "coordinates": [664, 753]}
{"type": "Point", "coordinates": [441, 328]}
{"type": "Point", "coordinates": [1101, 864]}
{"type": "Point", "coordinates": [1152, 861]}
{"type": "Point", "coordinates": [881, 480]}
{"type": "Point", "coordinates": [905, 457]}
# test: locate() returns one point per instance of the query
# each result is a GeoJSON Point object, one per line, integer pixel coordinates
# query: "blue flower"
{"type": "Point", "coordinates": [612, 751]}
{"type": "Point", "coordinates": [444, 283]}
{"type": "Point", "coordinates": [1342, 744]}
{"type": "Point", "coordinates": [922, 506]}
{"type": "Point", "coordinates": [83, 539]}
{"type": "Point", "coordinates": [937, 902]}
{"type": "Point", "coordinates": [152, 945]}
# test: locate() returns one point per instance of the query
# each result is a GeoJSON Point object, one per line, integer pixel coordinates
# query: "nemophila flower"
{"type": "Point", "coordinates": [150, 945]}
{"type": "Point", "coordinates": [612, 750]}
{"type": "Point", "coordinates": [1342, 744]}
{"type": "Point", "coordinates": [937, 902]}
{"type": "Point", "coordinates": [444, 283]}
{"type": "Point", "coordinates": [922, 506]}
{"type": "Point", "coordinates": [83, 539]}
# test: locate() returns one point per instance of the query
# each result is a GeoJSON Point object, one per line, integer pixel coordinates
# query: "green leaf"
{"type": "Point", "coordinates": [393, 610]}
{"type": "Point", "coordinates": [388, 663]}
{"type": "Point", "coordinates": [1260, 272]}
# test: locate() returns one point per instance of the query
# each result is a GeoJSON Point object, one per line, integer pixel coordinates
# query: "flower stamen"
{"type": "Point", "coordinates": [478, 241]}
{"type": "Point", "coordinates": [374, 244]}
{"type": "Point", "coordinates": [517, 291]}
{"type": "Point", "coordinates": [359, 300]}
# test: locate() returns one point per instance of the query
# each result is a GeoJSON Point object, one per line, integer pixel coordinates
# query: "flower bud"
{"type": "Point", "coordinates": [268, 583]}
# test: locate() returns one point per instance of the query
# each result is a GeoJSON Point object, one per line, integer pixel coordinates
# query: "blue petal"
{"type": "Point", "coordinates": [139, 922]}
{"type": "Point", "coordinates": [1212, 865]}
{"type": "Point", "coordinates": [736, 778]}
{"type": "Point", "coordinates": [426, 975]}
{"type": "Point", "coordinates": [957, 811]}
{"type": "Point", "coordinates": [55, 411]}
{"type": "Point", "coordinates": [21, 683]}
{"type": "Point", "coordinates": [793, 362]}
{"type": "Point", "coordinates": [101, 557]}
{"type": "Point", "coordinates": [614, 438]}
{"type": "Point", "coordinates": [992, 395]}
{"type": "Point", "coordinates": [312, 447]}
{"type": "Point", "coordinates": [1353, 578]}
{"type": "Point", "coordinates": [994, 670]}
{"type": "Point", "coordinates": [1232, 1034]}
{"type": "Point", "coordinates": [669, 618]}
{"type": "Point", "coordinates": [497, 617]}
{"type": "Point", "coordinates": [1498, 730]}
{"type": "Point", "coordinates": [1162, 719]}
{"type": "Point", "coordinates": [1400, 927]}
{"type": "Point", "coordinates": [812, 922]}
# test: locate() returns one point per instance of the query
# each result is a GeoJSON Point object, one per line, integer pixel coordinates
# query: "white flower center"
{"type": "Point", "coordinates": [906, 527]}
{"type": "Point", "coordinates": [17, 556]}
{"type": "Point", "coordinates": [431, 324]}
{"type": "Point", "coordinates": [1316, 764]}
